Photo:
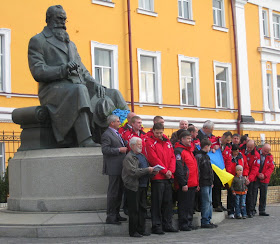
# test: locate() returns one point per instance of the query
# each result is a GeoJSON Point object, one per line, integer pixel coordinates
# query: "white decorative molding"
{"type": "Point", "coordinates": [186, 21]}
{"type": "Point", "coordinates": [240, 3]}
{"type": "Point", "coordinates": [219, 28]}
{"type": "Point", "coordinates": [6, 115]}
{"type": "Point", "coordinates": [9, 95]}
{"type": "Point", "coordinates": [220, 124]}
{"type": "Point", "coordinates": [104, 3]}
{"type": "Point", "coordinates": [271, 4]}
{"type": "Point", "coordinates": [114, 58]}
{"type": "Point", "coordinates": [146, 12]}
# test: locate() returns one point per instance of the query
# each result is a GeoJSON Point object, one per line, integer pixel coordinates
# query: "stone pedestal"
{"type": "Point", "coordinates": [54, 180]}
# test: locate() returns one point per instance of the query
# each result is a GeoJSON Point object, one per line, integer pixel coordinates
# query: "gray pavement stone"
{"type": "Point", "coordinates": [256, 230]}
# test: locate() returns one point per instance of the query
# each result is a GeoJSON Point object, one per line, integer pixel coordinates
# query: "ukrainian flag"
{"type": "Point", "coordinates": [218, 166]}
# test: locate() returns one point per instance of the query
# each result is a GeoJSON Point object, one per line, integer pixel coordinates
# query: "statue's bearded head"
{"type": "Point", "coordinates": [56, 19]}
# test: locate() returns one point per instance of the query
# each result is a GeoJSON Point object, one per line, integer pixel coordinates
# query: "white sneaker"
{"type": "Point", "coordinates": [231, 216]}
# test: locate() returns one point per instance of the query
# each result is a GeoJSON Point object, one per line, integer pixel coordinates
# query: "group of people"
{"type": "Point", "coordinates": [133, 158]}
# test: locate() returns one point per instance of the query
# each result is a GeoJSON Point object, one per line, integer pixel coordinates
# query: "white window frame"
{"type": "Point", "coordinates": [222, 13]}
{"type": "Point", "coordinates": [2, 159]}
{"type": "Point", "coordinates": [107, 3]}
{"type": "Point", "coordinates": [158, 84]}
{"type": "Point", "coordinates": [6, 33]}
{"type": "Point", "coordinates": [196, 85]}
{"type": "Point", "coordinates": [143, 10]}
{"type": "Point", "coordinates": [182, 19]}
{"type": "Point", "coordinates": [114, 60]}
{"type": "Point", "coordinates": [269, 91]}
{"type": "Point", "coordinates": [265, 23]}
{"type": "Point", "coordinates": [229, 87]}
{"type": "Point", "coordinates": [276, 25]}
{"type": "Point", "coordinates": [278, 92]}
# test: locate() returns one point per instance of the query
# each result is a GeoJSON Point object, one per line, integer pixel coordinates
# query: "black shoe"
{"type": "Point", "coordinates": [224, 209]}
{"type": "Point", "coordinates": [185, 228]}
{"type": "Point", "coordinates": [263, 214]}
{"type": "Point", "coordinates": [158, 232]}
{"type": "Point", "coordinates": [170, 229]}
{"type": "Point", "coordinates": [254, 212]}
{"type": "Point", "coordinates": [215, 226]}
{"type": "Point", "coordinates": [250, 215]}
{"type": "Point", "coordinates": [120, 218]}
{"type": "Point", "coordinates": [145, 233]}
{"type": "Point", "coordinates": [136, 234]}
{"type": "Point", "coordinates": [125, 211]}
{"type": "Point", "coordinates": [207, 226]}
{"type": "Point", "coordinates": [113, 222]}
{"type": "Point", "coordinates": [238, 217]}
{"type": "Point", "coordinates": [218, 209]}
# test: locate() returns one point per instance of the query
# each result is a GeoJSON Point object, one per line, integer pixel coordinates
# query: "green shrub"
{"type": "Point", "coordinates": [4, 187]}
{"type": "Point", "coordinates": [275, 177]}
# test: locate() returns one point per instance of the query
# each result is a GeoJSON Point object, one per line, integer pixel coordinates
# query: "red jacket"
{"type": "Point", "coordinates": [188, 158]}
{"type": "Point", "coordinates": [124, 128]}
{"type": "Point", "coordinates": [226, 153]}
{"type": "Point", "coordinates": [268, 168]}
{"type": "Point", "coordinates": [160, 151]}
{"type": "Point", "coordinates": [130, 133]}
{"type": "Point", "coordinates": [253, 161]}
{"type": "Point", "coordinates": [194, 142]}
{"type": "Point", "coordinates": [242, 160]}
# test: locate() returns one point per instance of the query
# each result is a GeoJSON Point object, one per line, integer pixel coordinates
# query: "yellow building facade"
{"type": "Point", "coordinates": [191, 59]}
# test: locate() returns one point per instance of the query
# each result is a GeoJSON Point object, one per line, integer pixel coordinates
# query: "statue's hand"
{"type": "Point", "coordinates": [100, 91]}
{"type": "Point", "coordinates": [72, 65]}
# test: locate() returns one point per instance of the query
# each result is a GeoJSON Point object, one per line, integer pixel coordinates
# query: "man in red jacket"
{"type": "Point", "coordinates": [156, 119]}
{"type": "Point", "coordinates": [136, 130]}
{"type": "Point", "coordinates": [263, 178]}
{"type": "Point", "coordinates": [127, 125]}
{"type": "Point", "coordinates": [187, 178]}
{"type": "Point", "coordinates": [159, 151]}
{"type": "Point", "coordinates": [253, 161]}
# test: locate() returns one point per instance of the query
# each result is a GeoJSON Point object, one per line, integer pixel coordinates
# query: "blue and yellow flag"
{"type": "Point", "coordinates": [218, 166]}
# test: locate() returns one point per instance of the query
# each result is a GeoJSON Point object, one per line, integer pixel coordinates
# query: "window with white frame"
{"type": "Point", "coordinates": [185, 9]}
{"type": "Point", "coordinates": [189, 80]}
{"type": "Point", "coordinates": [223, 85]}
{"type": "Point", "coordinates": [265, 23]}
{"type": "Point", "coordinates": [276, 26]}
{"type": "Point", "coordinates": [146, 5]}
{"type": "Point", "coordinates": [105, 64]}
{"type": "Point", "coordinates": [2, 158]}
{"type": "Point", "coordinates": [218, 13]}
{"type": "Point", "coordinates": [278, 90]}
{"type": "Point", "coordinates": [269, 91]}
{"type": "Point", "coordinates": [5, 66]}
{"type": "Point", "coordinates": [149, 68]}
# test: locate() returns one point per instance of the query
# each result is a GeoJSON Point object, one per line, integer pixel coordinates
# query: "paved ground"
{"type": "Point", "coordinates": [256, 230]}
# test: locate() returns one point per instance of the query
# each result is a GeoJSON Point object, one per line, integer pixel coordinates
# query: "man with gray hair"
{"type": "Point", "coordinates": [183, 125]}
{"type": "Point", "coordinates": [206, 131]}
{"type": "Point", "coordinates": [135, 175]}
{"type": "Point", "coordinates": [114, 151]}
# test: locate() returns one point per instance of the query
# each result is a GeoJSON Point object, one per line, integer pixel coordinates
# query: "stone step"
{"type": "Point", "coordinates": [70, 224]}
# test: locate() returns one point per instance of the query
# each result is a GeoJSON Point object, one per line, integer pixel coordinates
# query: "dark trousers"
{"type": "Point", "coordinates": [161, 208]}
{"type": "Point", "coordinates": [114, 197]}
{"type": "Point", "coordinates": [216, 192]}
{"type": "Point", "coordinates": [137, 203]}
{"type": "Point", "coordinates": [230, 202]}
{"type": "Point", "coordinates": [185, 206]}
{"type": "Point", "coordinates": [250, 199]}
{"type": "Point", "coordinates": [263, 193]}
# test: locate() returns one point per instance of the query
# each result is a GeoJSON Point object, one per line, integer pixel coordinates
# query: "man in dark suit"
{"type": "Point", "coordinates": [65, 85]}
{"type": "Point", "coordinates": [114, 152]}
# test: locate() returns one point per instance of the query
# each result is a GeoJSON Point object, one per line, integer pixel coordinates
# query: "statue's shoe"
{"type": "Point", "coordinates": [89, 143]}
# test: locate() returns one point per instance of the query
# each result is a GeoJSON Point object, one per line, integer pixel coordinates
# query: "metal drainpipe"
{"type": "Point", "coordinates": [130, 56]}
{"type": "Point", "coordinates": [236, 64]}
